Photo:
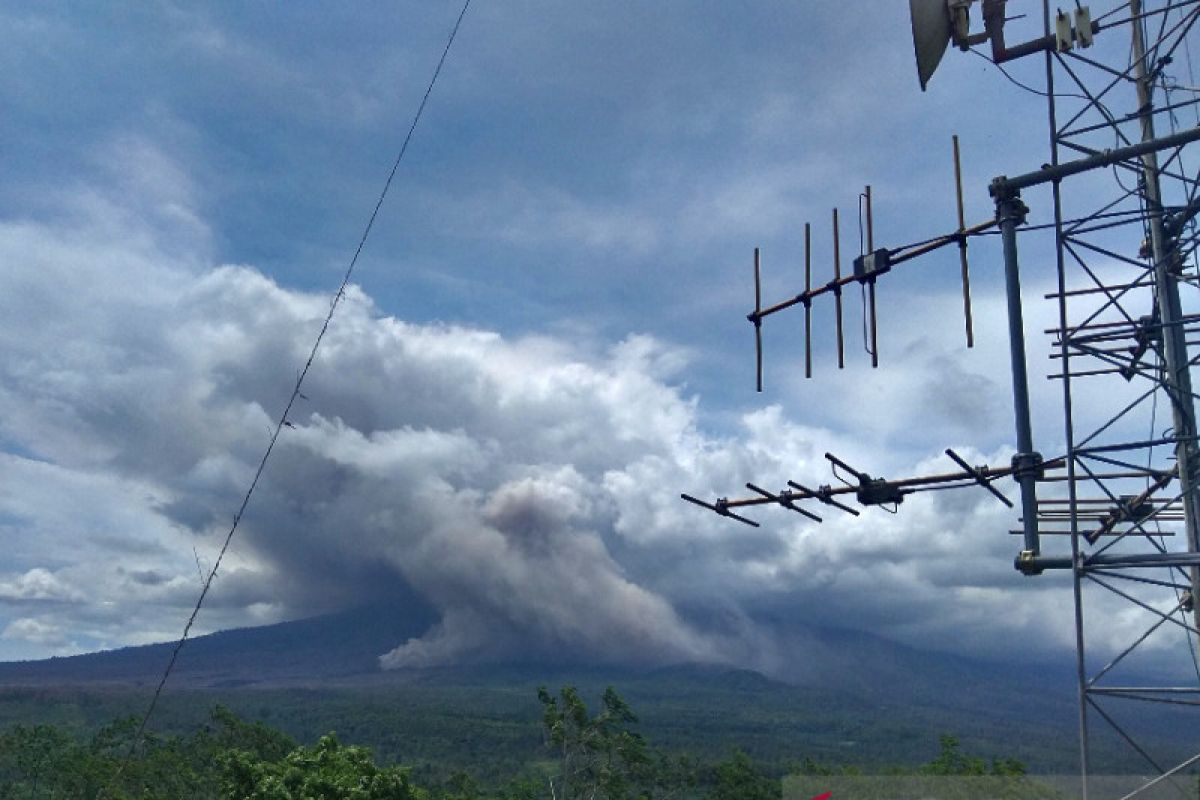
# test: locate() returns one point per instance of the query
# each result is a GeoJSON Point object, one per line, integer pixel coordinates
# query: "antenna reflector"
{"type": "Point", "coordinates": [931, 30]}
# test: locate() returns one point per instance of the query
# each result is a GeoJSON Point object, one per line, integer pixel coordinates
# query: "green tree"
{"type": "Point", "coordinates": [521, 789]}
{"type": "Point", "coordinates": [952, 761]}
{"type": "Point", "coordinates": [598, 756]}
{"type": "Point", "coordinates": [737, 779]}
{"type": "Point", "coordinates": [230, 732]}
{"type": "Point", "coordinates": [327, 771]}
{"type": "Point", "coordinates": [31, 760]}
{"type": "Point", "coordinates": [669, 777]}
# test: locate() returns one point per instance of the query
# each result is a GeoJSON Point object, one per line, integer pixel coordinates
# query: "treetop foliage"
{"type": "Point", "coordinates": [585, 756]}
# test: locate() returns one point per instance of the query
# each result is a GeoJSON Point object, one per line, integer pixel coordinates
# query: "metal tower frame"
{"type": "Point", "coordinates": [1118, 507]}
{"type": "Point", "coordinates": [1123, 248]}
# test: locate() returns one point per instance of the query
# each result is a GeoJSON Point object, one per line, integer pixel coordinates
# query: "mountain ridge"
{"type": "Point", "coordinates": [860, 693]}
{"type": "Point", "coordinates": [344, 648]}
{"type": "Point", "coordinates": [322, 647]}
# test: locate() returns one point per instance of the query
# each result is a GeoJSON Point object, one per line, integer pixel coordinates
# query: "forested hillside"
{"type": "Point", "coordinates": [580, 753]}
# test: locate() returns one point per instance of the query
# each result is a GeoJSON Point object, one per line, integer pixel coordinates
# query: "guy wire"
{"type": "Point", "coordinates": [283, 418]}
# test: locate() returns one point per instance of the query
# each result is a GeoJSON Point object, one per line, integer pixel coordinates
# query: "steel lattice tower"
{"type": "Point", "coordinates": [1117, 507]}
{"type": "Point", "coordinates": [1124, 201]}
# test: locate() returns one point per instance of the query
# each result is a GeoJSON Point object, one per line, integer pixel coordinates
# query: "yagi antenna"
{"type": "Point", "coordinates": [868, 490]}
{"type": "Point", "coordinates": [871, 264]}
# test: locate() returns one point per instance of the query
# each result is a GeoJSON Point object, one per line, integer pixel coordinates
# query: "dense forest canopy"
{"type": "Point", "coordinates": [584, 754]}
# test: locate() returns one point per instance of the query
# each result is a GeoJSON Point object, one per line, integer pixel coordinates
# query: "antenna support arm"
{"type": "Point", "coordinates": [1003, 185]}
{"type": "Point", "coordinates": [1010, 213]}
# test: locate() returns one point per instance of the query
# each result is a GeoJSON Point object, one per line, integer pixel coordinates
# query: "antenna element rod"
{"type": "Point", "coordinates": [870, 223]}
{"type": "Point", "coordinates": [758, 359]}
{"type": "Point", "coordinates": [808, 300]}
{"type": "Point", "coordinates": [962, 247]}
{"type": "Point", "coordinates": [837, 292]}
{"type": "Point", "coordinates": [871, 287]}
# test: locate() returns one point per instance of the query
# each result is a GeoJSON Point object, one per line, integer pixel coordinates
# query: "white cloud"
{"type": "Point", "coordinates": [525, 487]}
{"type": "Point", "coordinates": [37, 584]}
{"type": "Point", "coordinates": [36, 632]}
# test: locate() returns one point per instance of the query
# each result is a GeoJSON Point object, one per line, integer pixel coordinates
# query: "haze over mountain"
{"type": "Point", "coordinates": [347, 648]}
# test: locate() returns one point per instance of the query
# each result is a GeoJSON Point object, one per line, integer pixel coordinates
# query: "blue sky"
{"type": "Point", "coordinates": [546, 341]}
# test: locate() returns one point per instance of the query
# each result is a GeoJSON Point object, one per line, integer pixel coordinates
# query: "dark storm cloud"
{"type": "Point", "coordinates": [524, 488]}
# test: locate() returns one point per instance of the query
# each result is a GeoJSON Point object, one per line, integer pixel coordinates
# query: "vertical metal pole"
{"type": "Point", "coordinates": [807, 300]}
{"type": "Point", "coordinates": [871, 284]}
{"type": "Point", "coordinates": [758, 359]}
{"type": "Point", "coordinates": [1177, 378]}
{"type": "Point", "coordinates": [1069, 428]}
{"type": "Point", "coordinates": [874, 325]}
{"type": "Point", "coordinates": [837, 292]}
{"type": "Point", "coordinates": [1010, 212]}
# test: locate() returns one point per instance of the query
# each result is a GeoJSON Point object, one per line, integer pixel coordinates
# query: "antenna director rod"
{"type": "Point", "coordinates": [962, 247]}
{"type": "Point", "coordinates": [917, 483]}
{"type": "Point", "coordinates": [896, 257]}
{"type": "Point", "coordinates": [1004, 185]}
{"type": "Point", "coordinates": [837, 299]}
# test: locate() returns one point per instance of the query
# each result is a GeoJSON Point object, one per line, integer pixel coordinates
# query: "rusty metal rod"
{"type": "Point", "coordinates": [1107, 476]}
{"type": "Point", "coordinates": [909, 252]}
{"type": "Point", "coordinates": [839, 281]}
{"type": "Point", "coordinates": [962, 248]}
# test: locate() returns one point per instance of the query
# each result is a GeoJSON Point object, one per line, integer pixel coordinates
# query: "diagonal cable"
{"type": "Point", "coordinates": [333, 306]}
